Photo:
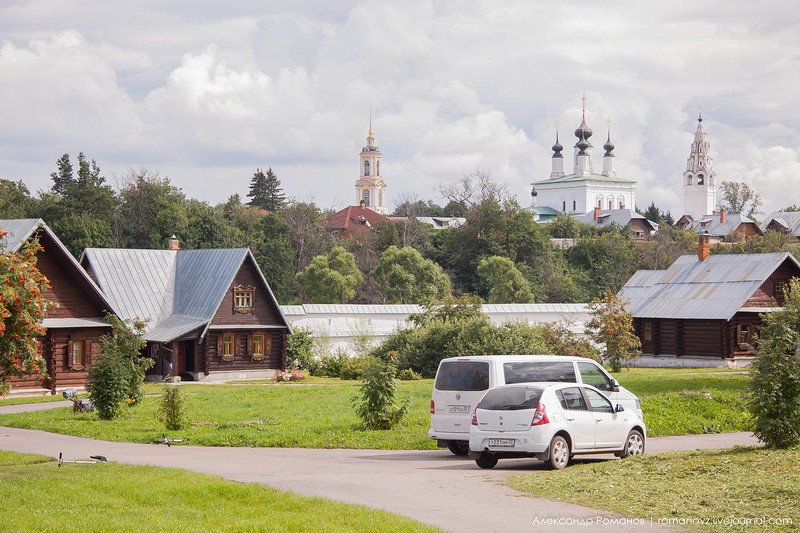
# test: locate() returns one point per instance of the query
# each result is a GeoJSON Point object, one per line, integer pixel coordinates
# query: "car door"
{"type": "Point", "coordinates": [609, 427]}
{"type": "Point", "coordinates": [580, 419]}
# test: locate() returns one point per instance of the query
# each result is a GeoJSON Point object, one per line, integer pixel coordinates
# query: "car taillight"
{"type": "Point", "coordinates": [433, 408]}
{"type": "Point", "coordinates": [474, 417]}
{"type": "Point", "coordinates": [540, 416]}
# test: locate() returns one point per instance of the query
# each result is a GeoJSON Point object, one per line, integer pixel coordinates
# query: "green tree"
{"type": "Point", "coordinates": [22, 308]}
{"type": "Point", "coordinates": [738, 197]}
{"type": "Point", "coordinates": [276, 257]}
{"type": "Point", "coordinates": [378, 407]}
{"type": "Point", "coordinates": [63, 178]}
{"type": "Point", "coordinates": [404, 276]}
{"type": "Point", "coordinates": [330, 279]}
{"type": "Point", "coordinates": [15, 199]}
{"type": "Point", "coordinates": [653, 213]}
{"type": "Point", "coordinates": [774, 400]}
{"type": "Point", "coordinates": [117, 375]}
{"type": "Point", "coordinates": [612, 326]}
{"type": "Point", "coordinates": [265, 191]}
{"type": "Point", "coordinates": [506, 283]}
{"type": "Point", "coordinates": [151, 210]}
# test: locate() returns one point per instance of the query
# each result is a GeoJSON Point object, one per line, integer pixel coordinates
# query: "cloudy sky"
{"type": "Point", "coordinates": [204, 92]}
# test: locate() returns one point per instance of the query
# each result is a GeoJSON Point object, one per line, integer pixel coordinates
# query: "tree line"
{"type": "Point", "coordinates": [501, 255]}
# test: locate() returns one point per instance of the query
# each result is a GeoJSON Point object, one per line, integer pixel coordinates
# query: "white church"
{"type": "Point", "coordinates": [584, 189]}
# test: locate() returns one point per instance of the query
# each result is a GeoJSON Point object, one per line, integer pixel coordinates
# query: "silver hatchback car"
{"type": "Point", "coordinates": [551, 422]}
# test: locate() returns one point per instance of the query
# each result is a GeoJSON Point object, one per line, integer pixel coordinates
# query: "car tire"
{"type": "Point", "coordinates": [634, 444]}
{"type": "Point", "coordinates": [458, 447]}
{"type": "Point", "coordinates": [559, 453]}
{"type": "Point", "coordinates": [486, 460]}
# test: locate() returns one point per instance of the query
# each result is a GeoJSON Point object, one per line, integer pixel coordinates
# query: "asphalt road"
{"type": "Point", "coordinates": [434, 487]}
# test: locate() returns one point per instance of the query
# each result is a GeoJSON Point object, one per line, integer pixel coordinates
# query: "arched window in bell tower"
{"type": "Point", "coordinates": [366, 168]}
{"type": "Point", "coordinates": [377, 168]}
{"type": "Point", "coordinates": [366, 196]}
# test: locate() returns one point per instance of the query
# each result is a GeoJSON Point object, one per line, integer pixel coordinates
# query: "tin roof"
{"type": "Point", "coordinates": [176, 291]}
{"type": "Point", "coordinates": [716, 288]}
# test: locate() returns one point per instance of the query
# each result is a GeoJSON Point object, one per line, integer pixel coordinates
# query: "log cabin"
{"type": "Point", "coordinates": [704, 310]}
{"type": "Point", "coordinates": [74, 323]}
{"type": "Point", "coordinates": [211, 316]}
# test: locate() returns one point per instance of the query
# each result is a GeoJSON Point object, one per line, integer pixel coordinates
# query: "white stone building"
{"type": "Point", "coordinates": [699, 179]}
{"type": "Point", "coordinates": [370, 187]}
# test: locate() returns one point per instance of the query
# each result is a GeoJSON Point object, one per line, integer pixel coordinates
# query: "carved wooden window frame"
{"type": "Point", "coordinates": [226, 349]}
{"type": "Point", "coordinates": [259, 350]}
{"type": "Point", "coordinates": [243, 298]}
{"type": "Point", "coordinates": [81, 347]}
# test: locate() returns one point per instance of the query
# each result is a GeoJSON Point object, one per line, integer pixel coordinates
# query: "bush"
{"type": "Point", "coordinates": [408, 375]}
{"type": "Point", "coordinates": [354, 367]}
{"type": "Point", "coordinates": [775, 375]}
{"type": "Point", "coordinates": [117, 375]}
{"type": "Point", "coordinates": [612, 326]}
{"type": "Point", "coordinates": [378, 408]}
{"type": "Point", "coordinates": [300, 349]}
{"type": "Point", "coordinates": [172, 410]}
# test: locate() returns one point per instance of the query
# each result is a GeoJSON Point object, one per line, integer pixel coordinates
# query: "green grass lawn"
{"type": "Point", "coordinates": [714, 490]}
{"type": "Point", "coordinates": [673, 404]}
{"type": "Point", "coordinates": [318, 413]}
{"type": "Point", "coordinates": [38, 495]}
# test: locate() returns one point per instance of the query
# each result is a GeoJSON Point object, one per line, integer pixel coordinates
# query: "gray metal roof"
{"type": "Point", "coordinates": [621, 217]}
{"type": "Point", "coordinates": [716, 288]}
{"type": "Point", "coordinates": [405, 309]}
{"type": "Point", "coordinates": [70, 323]}
{"type": "Point", "coordinates": [176, 291]}
{"type": "Point", "coordinates": [711, 225]}
{"type": "Point", "coordinates": [789, 220]}
{"type": "Point", "coordinates": [17, 231]}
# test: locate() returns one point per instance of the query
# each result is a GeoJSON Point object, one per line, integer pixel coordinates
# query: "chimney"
{"type": "Point", "coordinates": [722, 214]}
{"type": "Point", "coordinates": [597, 212]}
{"type": "Point", "coordinates": [704, 247]}
{"type": "Point", "coordinates": [174, 243]}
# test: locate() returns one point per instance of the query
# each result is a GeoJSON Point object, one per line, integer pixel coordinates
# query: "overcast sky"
{"type": "Point", "coordinates": [204, 92]}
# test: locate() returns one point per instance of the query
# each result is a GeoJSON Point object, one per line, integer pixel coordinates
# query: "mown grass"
{"type": "Point", "coordinates": [738, 489]}
{"type": "Point", "coordinates": [318, 413]}
{"type": "Point", "coordinates": [116, 497]}
{"type": "Point", "coordinates": [283, 415]}
{"type": "Point", "coordinates": [677, 402]}
{"type": "Point", "coordinates": [9, 399]}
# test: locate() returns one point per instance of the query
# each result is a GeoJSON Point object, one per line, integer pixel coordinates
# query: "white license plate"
{"type": "Point", "coordinates": [458, 408]}
{"type": "Point", "coordinates": [502, 443]}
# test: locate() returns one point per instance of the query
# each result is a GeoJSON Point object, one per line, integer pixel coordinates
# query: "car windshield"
{"type": "Point", "coordinates": [463, 376]}
{"type": "Point", "coordinates": [529, 371]}
{"type": "Point", "coordinates": [511, 398]}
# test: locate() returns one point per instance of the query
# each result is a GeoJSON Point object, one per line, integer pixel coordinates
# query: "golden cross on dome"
{"type": "Point", "coordinates": [557, 123]}
{"type": "Point", "coordinates": [583, 104]}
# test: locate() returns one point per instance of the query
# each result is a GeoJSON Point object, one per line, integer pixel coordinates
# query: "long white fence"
{"type": "Point", "coordinates": [343, 328]}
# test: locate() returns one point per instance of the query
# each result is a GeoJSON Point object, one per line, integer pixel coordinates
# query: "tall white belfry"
{"type": "Point", "coordinates": [699, 179]}
{"type": "Point", "coordinates": [370, 187]}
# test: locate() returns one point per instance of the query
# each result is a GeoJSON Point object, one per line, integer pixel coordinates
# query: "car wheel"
{"type": "Point", "coordinates": [486, 460]}
{"type": "Point", "coordinates": [458, 447]}
{"type": "Point", "coordinates": [559, 453]}
{"type": "Point", "coordinates": [634, 444]}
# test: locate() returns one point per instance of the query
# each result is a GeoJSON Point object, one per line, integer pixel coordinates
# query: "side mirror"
{"type": "Point", "coordinates": [614, 385]}
{"type": "Point", "coordinates": [619, 408]}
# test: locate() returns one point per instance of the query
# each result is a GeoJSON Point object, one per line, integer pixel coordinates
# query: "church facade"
{"type": "Point", "coordinates": [584, 189]}
{"type": "Point", "coordinates": [370, 187]}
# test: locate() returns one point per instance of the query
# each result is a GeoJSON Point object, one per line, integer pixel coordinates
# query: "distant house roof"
{"type": "Point", "coordinates": [580, 177]}
{"type": "Point", "coordinates": [716, 288]}
{"type": "Point", "coordinates": [177, 291]}
{"type": "Point", "coordinates": [543, 213]}
{"type": "Point", "coordinates": [443, 222]}
{"type": "Point", "coordinates": [353, 219]}
{"type": "Point", "coordinates": [19, 230]}
{"type": "Point", "coordinates": [783, 221]}
{"type": "Point", "coordinates": [714, 226]}
{"type": "Point", "coordinates": [621, 217]}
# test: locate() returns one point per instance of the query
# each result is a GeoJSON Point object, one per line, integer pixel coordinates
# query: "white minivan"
{"type": "Point", "coordinates": [462, 381]}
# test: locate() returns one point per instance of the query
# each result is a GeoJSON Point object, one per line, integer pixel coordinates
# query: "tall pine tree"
{"type": "Point", "coordinates": [265, 191]}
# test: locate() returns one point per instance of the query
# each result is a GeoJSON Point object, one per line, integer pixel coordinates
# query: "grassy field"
{"type": "Point", "coordinates": [715, 490]}
{"type": "Point", "coordinates": [116, 497]}
{"type": "Point", "coordinates": [319, 413]}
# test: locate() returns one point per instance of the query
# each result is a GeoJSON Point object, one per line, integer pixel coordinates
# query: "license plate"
{"type": "Point", "coordinates": [458, 408]}
{"type": "Point", "coordinates": [501, 443]}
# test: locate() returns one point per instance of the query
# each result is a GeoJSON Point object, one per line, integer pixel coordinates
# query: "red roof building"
{"type": "Point", "coordinates": [353, 219]}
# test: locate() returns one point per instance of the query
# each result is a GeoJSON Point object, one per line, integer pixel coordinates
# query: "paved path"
{"type": "Point", "coordinates": [433, 486]}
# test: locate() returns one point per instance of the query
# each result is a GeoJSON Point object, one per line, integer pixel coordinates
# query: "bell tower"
{"type": "Point", "coordinates": [699, 179]}
{"type": "Point", "coordinates": [370, 187]}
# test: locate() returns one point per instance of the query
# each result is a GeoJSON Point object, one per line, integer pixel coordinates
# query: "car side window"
{"type": "Point", "coordinates": [571, 399]}
{"type": "Point", "coordinates": [592, 375]}
{"type": "Point", "coordinates": [598, 402]}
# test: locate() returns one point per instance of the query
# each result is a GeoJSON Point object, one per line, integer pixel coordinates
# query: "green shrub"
{"type": "Point", "coordinates": [117, 374]}
{"type": "Point", "coordinates": [775, 374]}
{"type": "Point", "coordinates": [300, 349]}
{"type": "Point", "coordinates": [172, 411]}
{"type": "Point", "coordinates": [378, 407]}
{"type": "Point", "coordinates": [408, 375]}
{"type": "Point", "coordinates": [330, 365]}
{"type": "Point", "coordinates": [354, 367]}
